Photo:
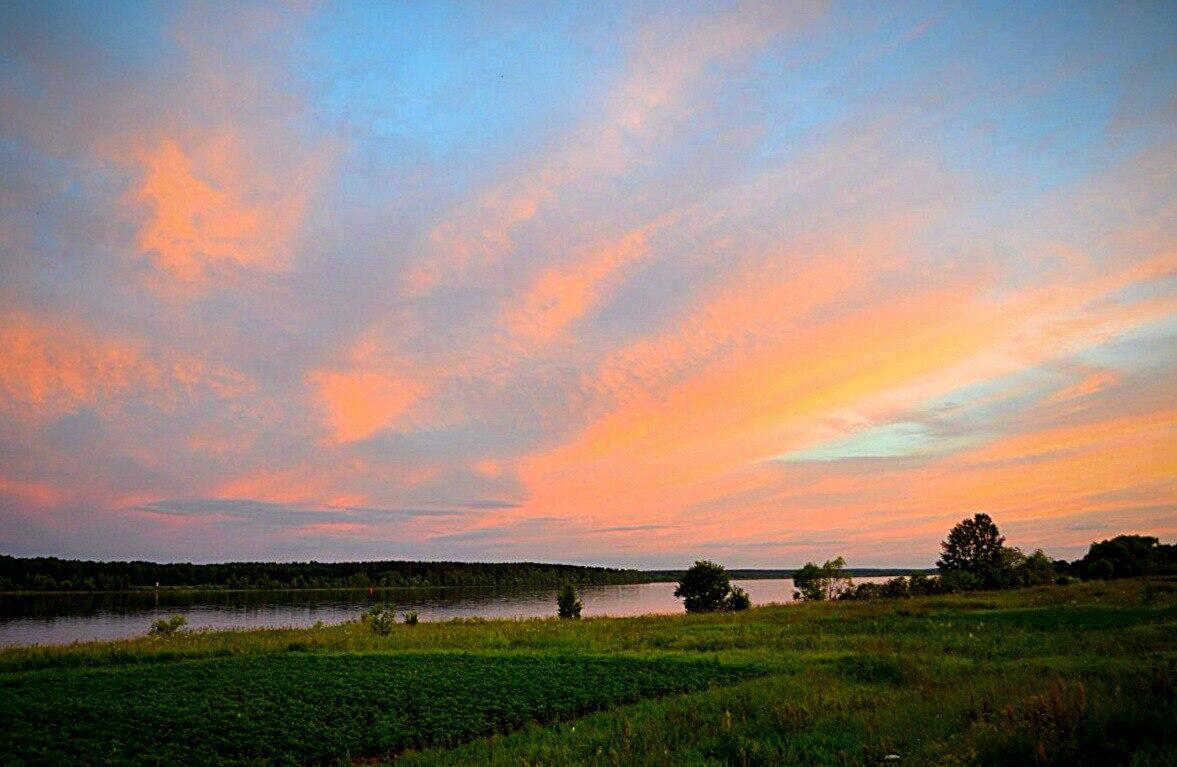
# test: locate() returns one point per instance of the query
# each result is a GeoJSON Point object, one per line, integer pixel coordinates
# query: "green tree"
{"type": "Point", "coordinates": [1039, 569]}
{"type": "Point", "coordinates": [738, 599]}
{"type": "Point", "coordinates": [706, 588]}
{"type": "Point", "coordinates": [1128, 556]}
{"type": "Point", "coordinates": [568, 604]}
{"type": "Point", "coordinates": [974, 546]}
{"type": "Point", "coordinates": [814, 583]}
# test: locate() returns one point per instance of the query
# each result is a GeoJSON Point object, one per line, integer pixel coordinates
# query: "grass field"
{"type": "Point", "coordinates": [1070, 675]}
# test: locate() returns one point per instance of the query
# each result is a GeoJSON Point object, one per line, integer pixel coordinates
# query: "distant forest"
{"type": "Point", "coordinates": [53, 574]}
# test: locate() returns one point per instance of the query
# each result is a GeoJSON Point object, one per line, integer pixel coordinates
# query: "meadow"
{"type": "Point", "coordinates": [1065, 675]}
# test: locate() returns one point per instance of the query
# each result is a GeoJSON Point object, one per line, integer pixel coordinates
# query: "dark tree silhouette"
{"type": "Point", "coordinates": [52, 574]}
{"type": "Point", "coordinates": [568, 604]}
{"type": "Point", "coordinates": [1128, 556]}
{"type": "Point", "coordinates": [706, 588]}
{"type": "Point", "coordinates": [974, 546]}
{"type": "Point", "coordinates": [738, 599]}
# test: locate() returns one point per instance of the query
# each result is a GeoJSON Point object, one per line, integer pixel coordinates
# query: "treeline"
{"type": "Point", "coordinates": [975, 557]}
{"type": "Point", "coordinates": [754, 573]}
{"type": "Point", "coordinates": [53, 574]}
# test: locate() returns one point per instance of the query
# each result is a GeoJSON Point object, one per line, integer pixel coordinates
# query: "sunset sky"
{"type": "Point", "coordinates": [624, 284]}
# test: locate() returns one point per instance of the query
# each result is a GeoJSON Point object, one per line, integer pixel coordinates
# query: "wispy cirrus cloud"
{"type": "Point", "coordinates": [765, 283]}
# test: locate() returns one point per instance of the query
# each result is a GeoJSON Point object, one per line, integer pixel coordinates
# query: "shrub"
{"type": "Point", "coordinates": [411, 618]}
{"type": "Point", "coordinates": [896, 588]}
{"type": "Point", "coordinates": [704, 588]}
{"type": "Point", "coordinates": [958, 580]}
{"type": "Point", "coordinates": [1100, 570]}
{"type": "Point", "coordinates": [862, 591]}
{"type": "Point", "coordinates": [380, 618]}
{"type": "Point", "coordinates": [1037, 570]}
{"type": "Point", "coordinates": [568, 604]}
{"type": "Point", "coordinates": [167, 626]}
{"type": "Point", "coordinates": [738, 599]}
{"type": "Point", "coordinates": [921, 585]}
{"type": "Point", "coordinates": [829, 581]}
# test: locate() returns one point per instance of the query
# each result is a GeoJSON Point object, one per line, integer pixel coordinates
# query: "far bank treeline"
{"type": "Point", "coordinates": [53, 574]}
{"type": "Point", "coordinates": [974, 557]}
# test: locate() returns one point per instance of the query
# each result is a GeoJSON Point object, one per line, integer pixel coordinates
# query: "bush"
{"type": "Point", "coordinates": [706, 588]}
{"type": "Point", "coordinates": [1100, 570]}
{"type": "Point", "coordinates": [738, 599]}
{"type": "Point", "coordinates": [1039, 569]}
{"type": "Point", "coordinates": [167, 626]}
{"type": "Point", "coordinates": [829, 581]}
{"type": "Point", "coordinates": [921, 585]}
{"type": "Point", "coordinates": [952, 581]}
{"type": "Point", "coordinates": [896, 588]}
{"type": "Point", "coordinates": [380, 618]}
{"type": "Point", "coordinates": [568, 604]}
{"type": "Point", "coordinates": [411, 618]}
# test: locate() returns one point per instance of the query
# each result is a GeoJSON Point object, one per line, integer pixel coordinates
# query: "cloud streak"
{"type": "Point", "coordinates": [764, 283]}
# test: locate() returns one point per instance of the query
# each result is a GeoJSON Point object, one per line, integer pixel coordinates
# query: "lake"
{"type": "Point", "coordinates": [28, 619]}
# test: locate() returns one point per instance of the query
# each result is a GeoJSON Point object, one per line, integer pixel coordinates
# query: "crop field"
{"type": "Point", "coordinates": [1060, 675]}
{"type": "Point", "coordinates": [297, 708]}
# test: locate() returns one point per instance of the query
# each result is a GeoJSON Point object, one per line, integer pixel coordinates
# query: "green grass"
{"type": "Point", "coordinates": [1082, 675]}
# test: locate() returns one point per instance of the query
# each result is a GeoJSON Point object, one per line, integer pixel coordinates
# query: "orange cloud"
{"type": "Point", "coordinates": [35, 493]}
{"type": "Point", "coordinates": [211, 214]}
{"type": "Point", "coordinates": [360, 403]}
{"type": "Point", "coordinates": [46, 371]}
{"type": "Point", "coordinates": [1091, 384]}
{"type": "Point", "coordinates": [563, 294]}
{"type": "Point", "coordinates": [696, 413]}
{"type": "Point", "coordinates": [1052, 473]}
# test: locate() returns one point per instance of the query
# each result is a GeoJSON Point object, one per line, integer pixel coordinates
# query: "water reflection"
{"type": "Point", "coordinates": [62, 618]}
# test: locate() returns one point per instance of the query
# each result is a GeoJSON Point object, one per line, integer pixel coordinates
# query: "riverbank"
{"type": "Point", "coordinates": [65, 618]}
{"type": "Point", "coordinates": [1080, 674]}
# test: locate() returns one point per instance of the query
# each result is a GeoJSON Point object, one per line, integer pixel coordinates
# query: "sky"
{"type": "Point", "coordinates": [628, 284]}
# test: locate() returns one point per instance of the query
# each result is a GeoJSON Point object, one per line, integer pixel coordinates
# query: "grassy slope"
{"type": "Point", "coordinates": [1059, 675]}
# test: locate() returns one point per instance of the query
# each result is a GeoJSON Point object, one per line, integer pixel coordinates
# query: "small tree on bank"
{"type": "Point", "coordinates": [706, 588]}
{"type": "Point", "coordinates": [973, 553]}
{"type": "Point", "coordinates": [829, 581]}
{"type": "Point", "coordinates": [568, 604]}
{"type": "Point", "coordinates": [162, 627]}
{"type": "Point", "coordinates": [738, 600]}
{"type": "Point", "coordinates": [380, 618]}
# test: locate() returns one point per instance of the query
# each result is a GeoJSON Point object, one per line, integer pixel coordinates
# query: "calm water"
{"type": "Point", "coordinates": [59, 619]}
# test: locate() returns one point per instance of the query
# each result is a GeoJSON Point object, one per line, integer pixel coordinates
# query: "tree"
{"type": "Point", "coordinates": [974, 546]}
{"type": "Point", "coordinates": [1039, 569]}
{"type": "Point", "coordinates": [1012, 572]}
{"type": "Point", "coordinates": [706, 588]}
{"type": "Point", "coordinates": [738, 599]}
{"type": "Point", "coordinates": [829, 581]}
{"type": "Point", "coordinates": [1128, 556]}
{"type": "Point", "coordinates": [568, 604]}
